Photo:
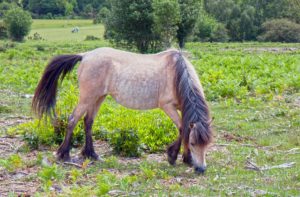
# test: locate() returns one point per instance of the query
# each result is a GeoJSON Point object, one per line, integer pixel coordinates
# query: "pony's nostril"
{"type": "Point", "coordinates": [200, 170]}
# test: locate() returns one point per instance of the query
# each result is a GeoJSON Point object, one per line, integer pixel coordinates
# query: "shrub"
{"type": "Point", "coordinates": [125, 142]}
{"type": "Point", "coordinates": [36, 36]}
{"type": "Point", "coordinates": [204, 28]}
{"type": "Point", "coordinates": [3, 31]}
{"type": "Point", "coordinates": [101, 16]}
{"type": "Point", "coordinates": [280, 30]}
{"type": "Point", "coordinates": [18, 23]}
{"type": "Point", "coordinates": [166, 18]}
{"type": "Point", "coordinates": [91, 37]}
{"type": "Point", "coordinates": [129, 24]}
{"type": "Point", "coordinates": [219, 34]}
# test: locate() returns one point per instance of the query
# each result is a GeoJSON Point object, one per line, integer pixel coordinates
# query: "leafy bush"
{"type": "Point", "coordinates": [13, 163]}
{"type": "Point", "coordinates": [166, 18]}
{"type": "Point", "coordinates": [7, 45]}
{"type": "Point", "coordinates": [18, 23]}
{"type": "Point", "coordinates": [280, 30]}
{"type": "Point", "coordinates": [129, 24]}
{"type": "Point", "coordinates": [219, 34]}
{"type": "Point", "coordinates": [204, 28]}
{"type": "Point", "coordinates": [101, 16]}
{"type": "Point", "coordinates": [91, 37]}
{"type": "Point", "coordinates": [125, 142]}
{"type": "Point", "coordinates": [5, 6]}
{"type": "Point", "coordinates": [3, 31]}
{"type": "Point", "coordinates": [208, 29]}
{"type": "Point", "coordinates": [36, 36]}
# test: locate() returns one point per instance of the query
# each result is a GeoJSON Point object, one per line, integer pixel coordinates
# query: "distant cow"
{"type": "Point", "coordinates": [75, 30]}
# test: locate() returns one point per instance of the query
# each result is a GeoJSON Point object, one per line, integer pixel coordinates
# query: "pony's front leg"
{"type": "Point", "coordinates": [186, 156]}
{"type": "Point", "coordinates": [173, 151]}
{"type": "Point", "coordinates": [174, 148]}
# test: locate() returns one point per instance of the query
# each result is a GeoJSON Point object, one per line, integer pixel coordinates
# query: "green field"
{"type": "Point", "coordinates": [61, 30]}
{"type": "Point", "coordinates": [253, 92]}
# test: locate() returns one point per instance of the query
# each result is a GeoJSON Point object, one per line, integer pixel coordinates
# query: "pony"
{"type": "Point", "coordinates": [166, 80]}
{"type": "Point", "coordinates": [75, 30]}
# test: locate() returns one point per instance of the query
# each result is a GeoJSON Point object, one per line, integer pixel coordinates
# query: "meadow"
{"type": "Point", "coordinates": [252, 90]}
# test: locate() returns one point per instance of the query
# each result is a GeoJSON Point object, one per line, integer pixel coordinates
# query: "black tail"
{"type": "Point", "coordinates": [194, 108]}
{"type": "Point", "coordinates": [45, 94]}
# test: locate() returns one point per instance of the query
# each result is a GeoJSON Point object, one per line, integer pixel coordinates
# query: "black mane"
{"type": "Point", "coordinates": [193, 106]}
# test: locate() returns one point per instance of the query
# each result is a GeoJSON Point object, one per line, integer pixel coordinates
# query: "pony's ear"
{"type": "Point", "coordinates": [192, 125]}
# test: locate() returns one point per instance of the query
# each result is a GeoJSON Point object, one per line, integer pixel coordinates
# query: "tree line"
{"type": "Point", "coordinates": [150, 25]}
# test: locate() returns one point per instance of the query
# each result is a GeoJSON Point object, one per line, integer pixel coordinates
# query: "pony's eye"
{"type": "Point", "coordinates": [193, 144]}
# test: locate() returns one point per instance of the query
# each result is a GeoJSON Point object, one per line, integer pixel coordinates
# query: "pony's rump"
{"type": "Point", "coordinates": [193, 106]}
{"type": "Point", "coordinates": [44, 98]}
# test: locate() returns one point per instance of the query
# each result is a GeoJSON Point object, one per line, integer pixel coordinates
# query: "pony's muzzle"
{"type": "Point", "coordinates": [200, 169]}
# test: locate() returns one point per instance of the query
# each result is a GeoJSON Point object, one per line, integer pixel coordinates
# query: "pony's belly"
{"type": "Point", "coordinates": [137, 94]}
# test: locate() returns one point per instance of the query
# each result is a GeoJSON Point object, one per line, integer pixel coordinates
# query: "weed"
{"type": "Point", "coordinates": [125, 143]}
{"type": "Point", "coordinates": [104, 182]}
{"type": "Point", "coordinates": [13, 163]}
{"type": "Point", "coordinates": [48, 174]}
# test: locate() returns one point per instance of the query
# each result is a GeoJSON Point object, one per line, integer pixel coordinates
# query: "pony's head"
{"type": "Point", "coordinates": [198, 142]}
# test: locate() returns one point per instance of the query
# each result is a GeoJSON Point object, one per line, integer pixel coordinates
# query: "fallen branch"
{"type": "Point", "coordinates": [74, 164]}
{"type": "Point", "coordinates": [17, 117]}
{"type": "Point", "coordinates": [285, 165]}
{"type": "Point", "coordinates": [237, 145]}
{"type": "Point", "coordinates": [253, 166]}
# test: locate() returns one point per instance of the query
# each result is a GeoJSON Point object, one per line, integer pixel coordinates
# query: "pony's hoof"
{"type": "Point", "coordinates": [187, 159]}
{"type": "Point", "coordinates": [63, 156]}
{"type": "Point", "coordinates": [172, 157]}
{"type": "Point", "coordinates": [171, 161]}
{"type": "Point", "coordinates": [90, 155]}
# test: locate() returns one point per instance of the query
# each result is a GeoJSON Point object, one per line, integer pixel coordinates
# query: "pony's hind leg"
{"type": "Point", "coordinates": [88, 149]}
{"type": "Point", "coordinates": [63, 152]}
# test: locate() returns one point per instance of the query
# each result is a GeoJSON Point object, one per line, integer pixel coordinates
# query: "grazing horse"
{"type": "Point", "coordinates": [165, 80]}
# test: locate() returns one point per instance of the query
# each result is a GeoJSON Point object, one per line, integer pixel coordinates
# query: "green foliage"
{"type": "Point", "coordinates": [6, 6]}
{"type": "Point", "coordinates": [104, 182]}
{"type": "Point", "coordinates": [243, 19]}
{"type": "Point", "coordinates": [91, 37]}
{"type": "Point", "coordinates": [102, 15]}
{"type": "Point", "coordinates": [220, 33]}
{"type": "Point", "coordinates": [189, 12]}
{"type": "Point", "coordinates": [130, 23]}
{"type": "Point", "coordinates": [125, 143]}
{"type": "Point", "coordinates": [204, 28]}
{"type": "Point", "coordinates": [48, 174]}
{"type": "Point", "coordinates": [43, 7]}
{"type": "Point", "coordinates": [13, 163]}
{"type": "Point", "coordinates": [18, 23]}
{"type": "Point", "coordinates": [280, 30]}
{"type": "Point", "coordinates": [166, 18]}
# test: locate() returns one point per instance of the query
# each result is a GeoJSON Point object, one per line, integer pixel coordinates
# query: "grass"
{"type": "Point", "coordinates": [61, 30]}
{"type": "Point", "coordinates": [253, 92]}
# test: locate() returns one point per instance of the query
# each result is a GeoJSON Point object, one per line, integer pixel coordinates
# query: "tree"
{"type": "Point", "coordinates": [130, 24]}
{"type": "Point", "coordinates": [166, 17]}
{"type": "Point", "coordinates": [43, 7]}
{"type": "Point", "coordinates": [3, 31]}
{"type": "Point", "coordinates": [280, 30]}
{"type": "Point", "coordinates": [204, 28]}
{"type": "Point", "coordinates": [4, 7]}
{"type": "Point", "coordinates": [247, 27]}
{"type": "Point", "coordinates": [102, 15]}
{"type": "Point", "coordinates": [18, 23]}
{"type": "Point", "coordinates": [189, 11]}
